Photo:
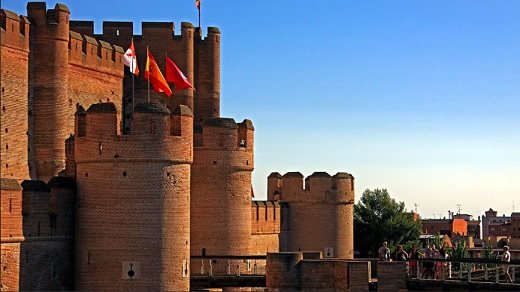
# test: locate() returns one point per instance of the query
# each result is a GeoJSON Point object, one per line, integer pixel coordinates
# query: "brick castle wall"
{"type": "Point", "coordinates": [221, 188]}
{"type": "Point", "coordinates": [317, 217]}
{"type": "Point", "coordinates": [14, 89]}
{"type": "Point", "coordinates": [265, 227]}
{"type": "Point", "coordinates": [141, 216]}
{"type": "Point", "coordinates": [34, 256]}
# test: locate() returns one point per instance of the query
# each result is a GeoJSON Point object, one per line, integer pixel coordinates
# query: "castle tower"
{"type": "Point", "coordinates": [221, 187]}
{"type": "Point", "coordinates": [318, 217]}
{"type": "Point", "coordinates": [14, 89]}
{"type": "Point", "coordinates": [49, 93]}
{"type": "Point", "coordinates": [197, 57]}
{"type": "Point", "coordinates": [207, 99]}
{"type": "Point", "coordinates": [133, 212]}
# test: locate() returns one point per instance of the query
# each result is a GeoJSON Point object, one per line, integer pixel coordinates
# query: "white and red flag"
{"type": "Point", "coordinates": [130, 60]}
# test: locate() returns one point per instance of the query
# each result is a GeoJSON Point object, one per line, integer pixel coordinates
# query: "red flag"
{"type": "Point", "coordinates": [197, 3]}
{"type": "Point", "coordinates": [154, 75]}
{"type": "Point", "coordinates": [174, 74]}
{"type": "Point", "coordinates": [130, 60]}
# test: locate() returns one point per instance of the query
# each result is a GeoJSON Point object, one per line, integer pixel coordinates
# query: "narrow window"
{"type": "Point", "coordinates": [117, 32]}
{"type": "Point", "coordinates": [10, 205]}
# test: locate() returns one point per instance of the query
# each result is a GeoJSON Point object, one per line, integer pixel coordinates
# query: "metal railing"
{"type": "Point", "coordinates": [467, 269]}
{"type": "Point", "coordinates": [236, 265]}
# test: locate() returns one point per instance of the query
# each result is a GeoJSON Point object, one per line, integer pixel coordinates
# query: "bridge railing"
{"type": "Point", "coordinates": [229, 265]}
{"type": "Point", "coordinates": [470, 269]}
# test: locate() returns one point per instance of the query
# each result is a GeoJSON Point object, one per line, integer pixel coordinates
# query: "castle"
{"type": "Point", "coordinates": [103, 189]}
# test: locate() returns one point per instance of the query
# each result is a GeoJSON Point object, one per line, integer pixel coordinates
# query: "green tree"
{"type": "Point", "coordinates": [378, 218]}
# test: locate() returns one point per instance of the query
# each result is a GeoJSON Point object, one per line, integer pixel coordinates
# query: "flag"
{"type": "Point", "coordinates": [197, 3]}
{"type": "Point", "coordinates": [174, 74]}
{"type": "Point", "coordinates": [154, 75]}
{"type": "Point", "coordinates": [130, 60]}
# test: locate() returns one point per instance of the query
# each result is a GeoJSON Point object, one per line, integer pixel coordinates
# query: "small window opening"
{"type": "Point", "coordinates": [6, 130]}
{"type": "Point", "coordinates": [6, 147]}
{"type": "Point", "coordinates": [6, 165]}
{"type": "Point", "coordinates": [86, 174]}
{"type": "Point", "coordinates": [3, 107]}
{"type": "Point", "coordinates": [117, 32]}
{"type": "Point", "coordinates": [124, 173]}
{"type": "Point", "coordinates": [214, 162]}
{"type": "Point", "coordinates": [10, 205]}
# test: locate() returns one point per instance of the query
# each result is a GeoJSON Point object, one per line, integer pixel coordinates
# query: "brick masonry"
{"type": "Point", "coordinates": [100, 187]}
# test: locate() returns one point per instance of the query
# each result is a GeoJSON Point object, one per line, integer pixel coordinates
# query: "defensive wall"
{"type": "Point", "coordinates": [288, 271]}
{"type": "Point", "coordinates": [37, 234]}
{"type": "Point", "coordinates": [14, 90]}
{"type": "Point", "coordinates": [138, 222]}
{"type": "Point", "coordinates": [265, 227]}
{"type": "Point", "coordinates": [318, 216]}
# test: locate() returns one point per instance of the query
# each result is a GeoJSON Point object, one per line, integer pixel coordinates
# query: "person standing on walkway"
{"type": "Point", "coordinates": [506, 257]}
{"type": "Point", "coordinates": [384, 252]}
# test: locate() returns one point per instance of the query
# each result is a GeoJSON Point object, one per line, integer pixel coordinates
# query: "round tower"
{"type": "Point", "coordinates": [343, 189]}
{"type": "Point", "coordinates": [320, 215]}
{"type": "Point", "coordinates": [221, 188]}
{"type": "Point", "coordinates": [132, 209]}
{"type": "Point", "coordinates": [48, 99]}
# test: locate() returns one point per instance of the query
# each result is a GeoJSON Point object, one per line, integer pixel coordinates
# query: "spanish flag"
{"type": "Point", "coordinates": [154, 75]}
{"type": "Point", "coordinates": [197, 3]}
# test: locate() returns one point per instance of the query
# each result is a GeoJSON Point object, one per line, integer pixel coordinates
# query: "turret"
{"type": "Point", "coordinates": [49, 95]}
{"type": "Point", "coordinates": [320, 215]}
{"type": "Point", "coordinates": [274, 186]}
{"type": "Point", "coordinates": [221, 180]}
{"type": "Point", "coordinates": [140, 180]}
{"type": "Point", "coordinates": [207, 99]}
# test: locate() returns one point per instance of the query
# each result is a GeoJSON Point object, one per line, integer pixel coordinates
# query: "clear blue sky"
{"type": "Point", "coordinates": [419, 97]}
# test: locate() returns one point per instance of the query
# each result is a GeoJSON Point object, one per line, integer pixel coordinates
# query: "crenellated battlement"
{"type": "Point", "coordinates": [157, 134]}
{"type": "Point", "coordinates": [318, 187]}
{"type": "Point", "coordinates": [49, 22]}
{"type": "Point", "coordinates": [87, 51]}
{"type": "Point", "coordinates": [265, 217]}
{"type": "Point", "coordinates": [14, 30]}
{"type": "Point", "coordinates": [226, 134]}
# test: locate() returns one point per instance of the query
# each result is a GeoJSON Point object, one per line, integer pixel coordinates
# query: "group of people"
{"type": "Point", "coordinates": [432, 269]}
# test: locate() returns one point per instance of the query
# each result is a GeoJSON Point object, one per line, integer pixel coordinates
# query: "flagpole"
{"type": "Point", "coordinates": [133, 86]}
{"type": "Point", "coordinates": [199, 16]}
{"type": "Point", "coordinates": [147, 56]}
{"type": "Point", "coordinates": [166, 56]}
